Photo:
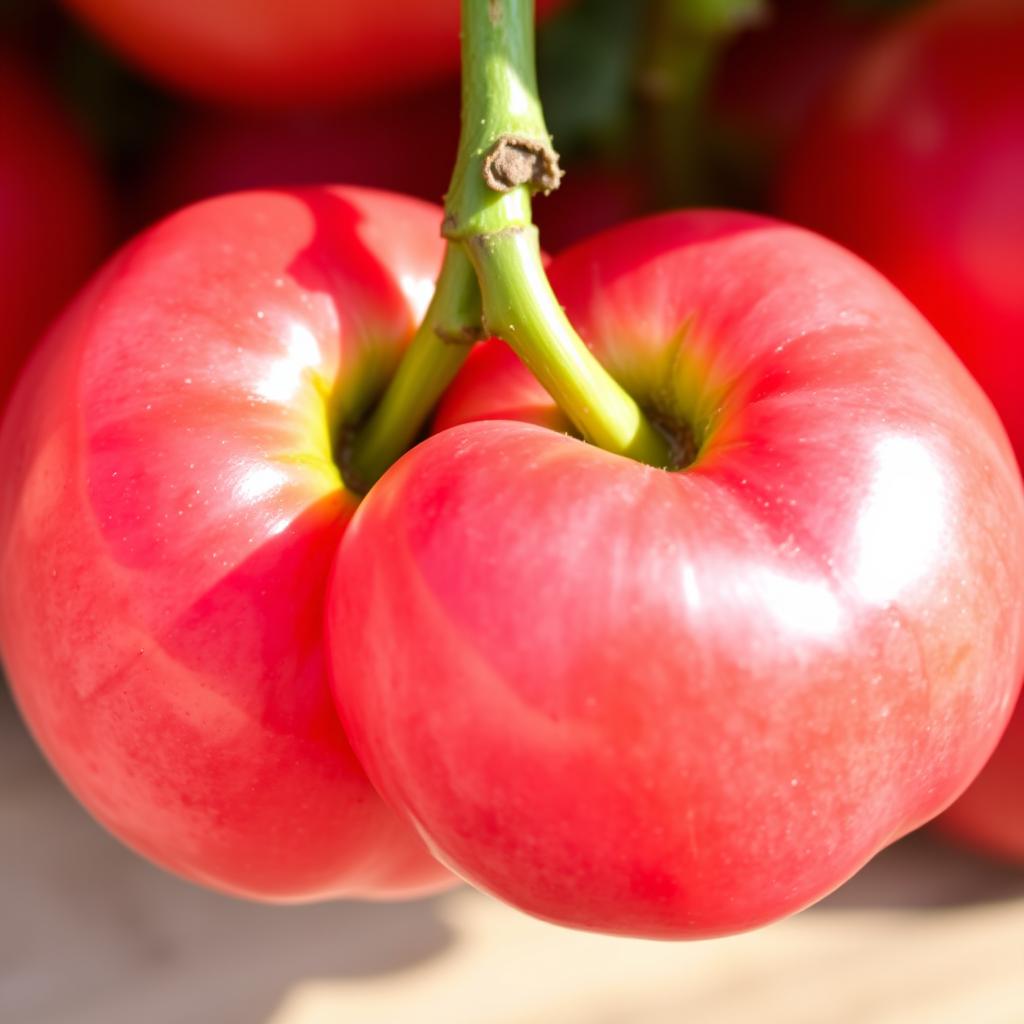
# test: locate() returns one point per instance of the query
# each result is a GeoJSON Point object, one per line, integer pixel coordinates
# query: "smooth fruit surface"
{"type": "Point", "coordinates": [917, 163]}
{"type": "Point", "coordinates": [169, 510]}
{"type": "Point", "coordinates": [680, 704]}
{"type": "Point", "coordinates": [53, 213]}
{"type": "Point", "coordinates": [275, 53]}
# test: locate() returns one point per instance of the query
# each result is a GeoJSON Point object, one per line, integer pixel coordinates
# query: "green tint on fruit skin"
{"type": "Point", "coordinates": [494, 230]}
{"type": "Point", "coordinates": [169, 512]}
{"type": "Point", "coordinates": [435, 354]}
{"type": "Point", "coordinates": [521, 308]}
{"type": "Point", "coordinates": [679, 705]}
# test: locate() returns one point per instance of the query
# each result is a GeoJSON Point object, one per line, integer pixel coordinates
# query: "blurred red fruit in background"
{"type": "Point", "coordinates": [405, 144]}
{"type": "Point", "coordinates": [917, 163]}
{"type": "Point", "coordinates": [53, 212]}
{"type": "Point", "coordinates": [278, 53]}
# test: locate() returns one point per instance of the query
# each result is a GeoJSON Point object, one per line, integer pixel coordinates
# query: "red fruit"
{"type": "Point", "coordinates": [405, 145]}
{"type": "Point", "coordinates": [680, 704]}
{"type": "Point", "coordinates": [592, 197]}
{"type": "Point", "coordinates": [169, 510]}
{"type": "Point", "coordinates": [917, 163]}
{"type": "Point", "coordinates": [53, 213]}
{"type": "Point", "coordinates": [990, 815]}
{"type": "Point", "coordinates": [770, 77]}
{"type": "Point", "coordinates": [277, 53]}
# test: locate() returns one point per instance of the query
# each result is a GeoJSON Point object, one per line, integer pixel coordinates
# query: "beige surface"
{"type": "Point", "coordinates": [90, 934]}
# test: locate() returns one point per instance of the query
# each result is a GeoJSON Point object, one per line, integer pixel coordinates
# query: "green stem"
{"type": "Point", "coordinates": [520, 307]}
{"type": "Point", "coordinates": [505, 156]}
{"type": "Point", "coordinates": [501, 108]}
{"type": "Point", "coordinates": [499, 101]}
{"type": "Point", "coordinates": [435, 354]}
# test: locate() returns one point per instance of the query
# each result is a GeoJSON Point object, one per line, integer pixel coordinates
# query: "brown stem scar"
{"type": "Point", "coordinates": [520, 160]}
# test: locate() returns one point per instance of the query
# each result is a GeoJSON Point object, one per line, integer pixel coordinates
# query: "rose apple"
{"type": "Point", "coordinates": [278, 53]}
{"type": "Point", "coordinates": [169, 510]}
{"type": "Point", "coordinates": [593, 196]}
{"type": "Point", "coordinates": [53, 212]}
{"type": "Point", "coordinates": [679, 704]}
{"type": "Point", "coordinates": [405, 145]}
{"type": "Point", "coordinates": [917, 162]}
{"type": "Point", "coordinates": [990, 815]}
{"type": "Point", "coordinates": [771, 75]}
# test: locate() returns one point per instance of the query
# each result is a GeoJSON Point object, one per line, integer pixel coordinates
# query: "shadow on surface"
{"type": "Point", "coordinates": [923, 872]}
{"type": "Point", "coordinates": [92, 934]}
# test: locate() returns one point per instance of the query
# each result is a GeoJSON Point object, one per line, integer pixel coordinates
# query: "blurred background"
{"type": "Point", "coordinates": [894, 126]}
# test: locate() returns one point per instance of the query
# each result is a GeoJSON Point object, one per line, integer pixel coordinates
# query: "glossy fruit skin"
{"type": "Point", "coordinates": [280, 53]}
{"type": "Point", "coordinates": [917, 163]}
{"type": "Point", "coordinates": [168, 515]}
{"type": "Point", "coordinates": [685, 704]}
{"type": "Point", "coordinates": [53, 213]}
{"type": "Point", "coordinates": [403, 145]}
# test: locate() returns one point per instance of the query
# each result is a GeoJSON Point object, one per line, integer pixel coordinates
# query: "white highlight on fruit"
{"type": "Point", "coordinates": [259, 482]}
{"type": "Point", "coordinates": [285, 377]}
{"type": "Point", "coordinates": [807, 608]}
{"type": "Point", "coordinates": [419, 291]}
{"type": "Point", "coordinates": [900, 529]}
{"type": "Point", "coordinates": [302, 346]}
{"type": "Point", "coordinates": [691, 589]}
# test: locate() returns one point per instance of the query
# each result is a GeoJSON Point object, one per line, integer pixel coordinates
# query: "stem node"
{"type": "Point", "coordinates": [516, 160]}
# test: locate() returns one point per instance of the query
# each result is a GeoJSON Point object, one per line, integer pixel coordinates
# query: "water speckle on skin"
{"type": "Point", "coordinates": [188, 380]}
{"type": "Point", "coordinates": [260, 314]}
{"type": "Point", "coordinates": [884, 712]}
{"type": "Point", "coordinates": [794, 782]}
